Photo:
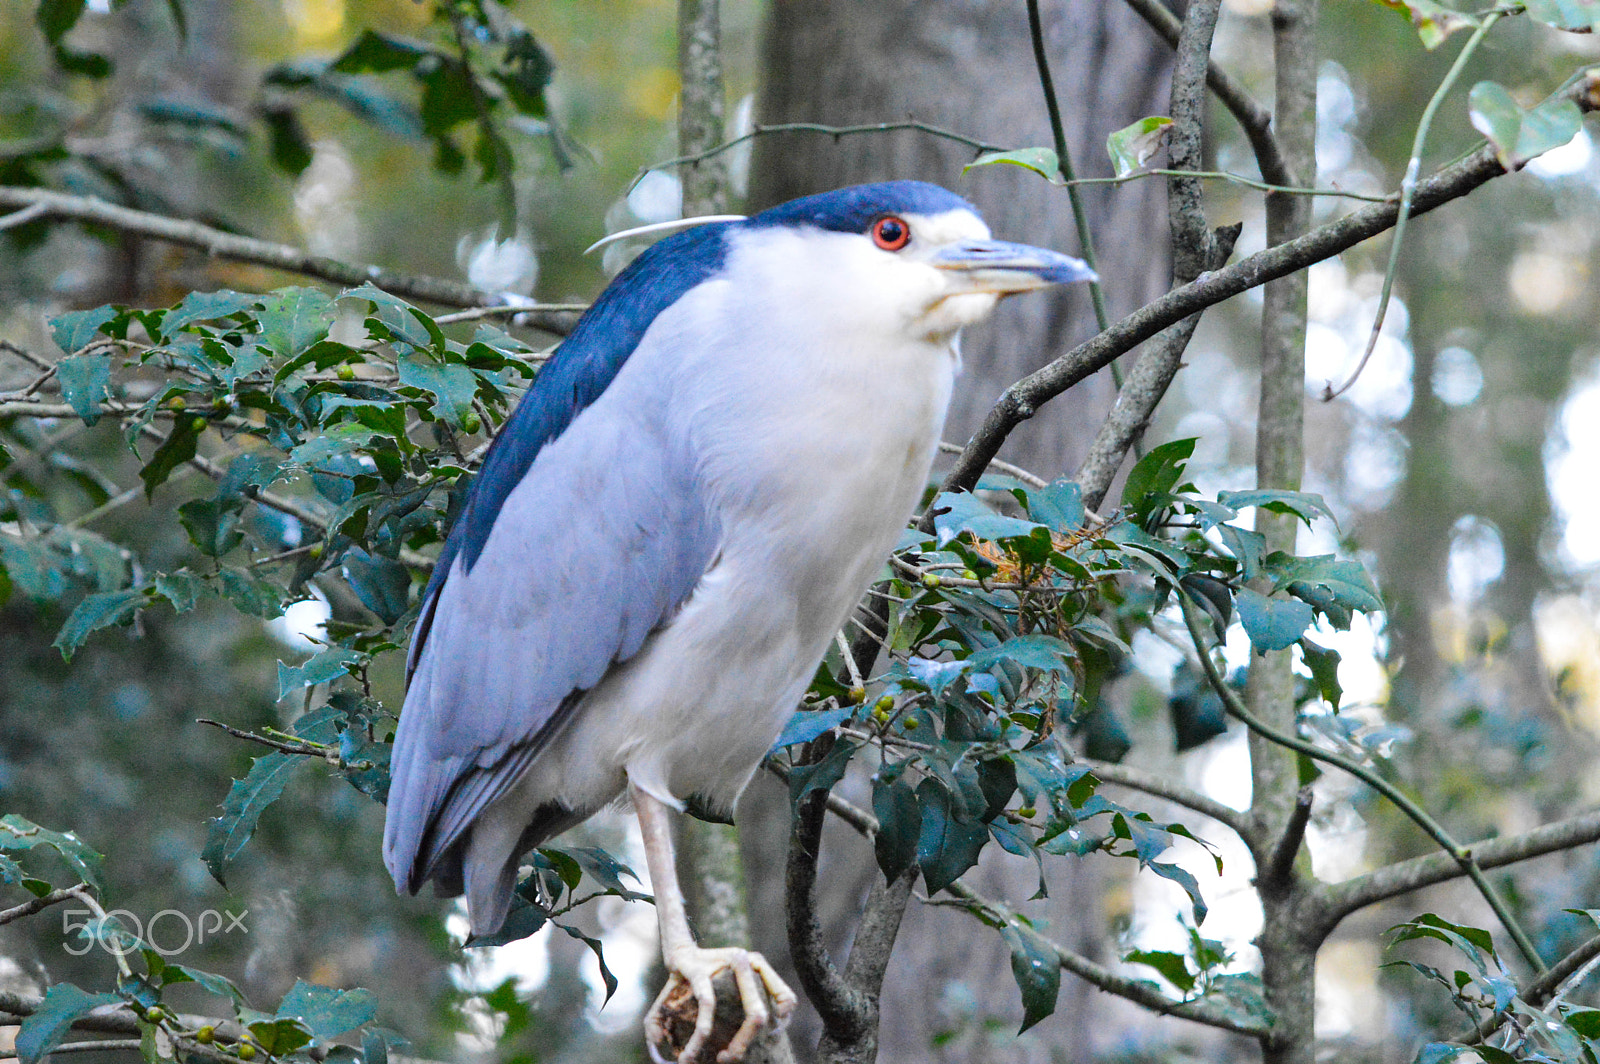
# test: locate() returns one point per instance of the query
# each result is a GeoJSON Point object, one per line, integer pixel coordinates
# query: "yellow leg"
{"type": "Point", "coordinates": [688, 963]}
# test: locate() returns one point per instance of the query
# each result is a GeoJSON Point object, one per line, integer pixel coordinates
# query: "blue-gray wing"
{"type": "Point", "coordinates": [599, 544]}
{"type": "Point", "coordinates": [582, 533]}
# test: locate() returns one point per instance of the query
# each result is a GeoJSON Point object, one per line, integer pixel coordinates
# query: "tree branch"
{"type": "Point", "coordinates": [264, 253]}
{"type": "Point", "coordinates": [28, 908]}
{"type": "Point", "coordinates": [1140, 993]}
{"type": "Point", "coordinates": [1165, 787]}
{"type": "Point", "coordinates": [1023, 399]}
{"type": "Point", "coordinates": [1275, 877]}
{"type": "Point", "coordinates": [846, 1014]}
{"type": "Point", "coordinates": [1403, 877]}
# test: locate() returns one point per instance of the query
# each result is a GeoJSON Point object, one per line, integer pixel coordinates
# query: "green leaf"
{"type": "Point", "coordinates": [806, 724]}
{"type": "Point", "coordinates": [946, 848]}
{"type": "Point", "coordinates": [287, 141]}
{"type": "Point", "coordinates": [1133, 146]}
{"type": "Point", "coordinates": [206, 306]}
{"type": "Point", "coordinates": [1305, 505]}
{"type": "Point", "coordinates": [1174, 967]}
{"type": "Point", "coordinates": [1043, 652]}
{"type": "Point", "coordinates": [212, 983]}
{"type": "Point", "coordinates": [1179, 875]}
{"type": "Point", "coordinates": [402, 320]}
{"type": "Point", "coordinates": [1572, 15]}
{"type": "Point", "coordinates": [377, 53]}
{"type": "Point", "coordinates": [452, 386]}
{"type": "Point", "coordinates": [1153, 479]}
{"type": "Point", "coordinates": [1248, 546]}
{"type": "Point", "coordinates": [956, 512]}
{"type": "Point", "coordinates": [280, 1036]}
{"type": "Point", "coordinates": [325, 1011]}
{"type": "Point", "coordinates": [1272, 623]}
{"type": "Point", "coordinates": [293, 319]}
{"type": "Point", "coordinates": [89, 64]}
{"type": "Point", "coordinates": [1037, 970]}
{"type": "Point", "coordinates": [212, 525]}
{"type": "Point", "coordinates": [382, 584]}
{"type": "Point", "coordinates": [1324, 666]}
{"type": "Point", "coordinates": [181, 588]}
{"type": "Point", "coordinates": [179, 446]}
{"type": "Point", "coordinates": [899, 824]}
{"type": "Point", "coordinates": [74, 331]}
{"type": "Point", "coordinates": [347, 437]}
{"type": "Point", "coordinates": [85, 383]}
{"type": "Point", "coordinates": [250, 594]}
{"type": "Point", "coordinates": [18, 833]}
{"type": "Point", "coordinates": [94, 612]}
{"type": "Point", "coordinates": [63, 1005]}
{"type": "Point", "coordinates": [1059, 504]}
{"type": "Point", "coordinates": [247, 799]}
{"type": "Point", "coordinates": [10, 871]}
{"type": "Point", "coordinates": [803, 779]}
{"type": "Point", "coordinates": [329, 664]}
{"type": "Point", "coordinates": [1042, 161]}
{"type": "Point", "coordinates": [1519, 135]}
{"type": "Point", "coordinates": [1324, 578]}
{"type": "Point", "coordinates": [1433, 22]}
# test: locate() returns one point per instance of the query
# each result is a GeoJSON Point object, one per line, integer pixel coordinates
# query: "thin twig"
{"type": "Point", "coordinates": [1058, 133]}
{"type": "Point", "coordinates": [103, 1045]}
{"type": "Point", "coordinates": [1408, 186]}
{"type": "Point", "coordinates": [977, 146]}
{"type": "Point", "coordinates": [1033, 480]}
{"type": "Point", "coordinates": [1162, 786]}
{"type": "Point", "coordinates": [261, 252]}
{"type": "Point", "coordinates": [23, 217]}
{"type": "Point", "coordinates": [28, 908]}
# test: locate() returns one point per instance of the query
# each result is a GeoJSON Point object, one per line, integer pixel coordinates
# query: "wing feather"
{"type": "Point", "coordinates": [582, 534]}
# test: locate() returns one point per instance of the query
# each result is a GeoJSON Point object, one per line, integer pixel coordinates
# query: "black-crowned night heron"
{"type": "Point", "coordinates": [669, 530]}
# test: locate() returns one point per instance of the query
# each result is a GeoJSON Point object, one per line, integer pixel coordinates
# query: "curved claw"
{"type": "Point", "coordinates": [696, 969]}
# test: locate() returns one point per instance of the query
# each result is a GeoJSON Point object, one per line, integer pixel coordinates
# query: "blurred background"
{"type": "Point", "coordinates": [1460, 464]}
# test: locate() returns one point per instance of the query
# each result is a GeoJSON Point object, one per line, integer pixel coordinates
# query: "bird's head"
{"type": "Point", "coordinates": [903, 255]}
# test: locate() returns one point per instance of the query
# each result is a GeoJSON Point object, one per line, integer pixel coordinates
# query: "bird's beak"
{"type": "Point", "coordinates": [996, 266]}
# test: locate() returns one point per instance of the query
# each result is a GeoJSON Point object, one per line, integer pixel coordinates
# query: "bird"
{"type": "Point", "coordinates": [668, 531]}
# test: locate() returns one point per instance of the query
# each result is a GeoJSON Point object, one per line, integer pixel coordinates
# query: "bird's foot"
{"type": "Point", "coordinates": [688, 1003]}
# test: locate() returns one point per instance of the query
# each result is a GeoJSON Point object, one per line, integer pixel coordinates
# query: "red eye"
{"type": "Point", "coordinates": [891, 233]}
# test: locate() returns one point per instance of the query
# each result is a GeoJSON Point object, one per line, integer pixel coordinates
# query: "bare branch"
{"type": "Point", "coordinates": [264, 253]}
{"type": "Point", "coordinates": [845, 1012]}
{"type": "Point", "coordinates": [1406, 876]}
{"type": "Point", "coordinates": [1140, 993]}
{"type": "Point", "coordinates": [1166, 787]}
{"type": "Point", "coordinates": [1275, 877]}
{"type": "Point", "coordinates": [28, 908]}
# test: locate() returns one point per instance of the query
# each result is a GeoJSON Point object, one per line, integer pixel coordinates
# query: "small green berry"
{"type": "Point", "coordinates": [472, 423]}
{"type": "Point", "coordinates": [198, 424]}
{"type": "Point", "coordinates": [206, 1035]}
{"type": "Point", "coordinates": [247, 1051]}
{"type": "Point", "coordinates": [1026, 811]}
{"type": "Point", "coordinates": [347, 372]}
{"type": "Point", "coordinates": [881, 716]}
{"type": "Point", "coordinates": [858, 695]}
{"type": "Point", "coordinates": [176, 403]}
{"type": "Point", "coordinates": [968, 574]}
{"type": "Point", "coordinates": [154, 1014]}
{"type": "Point", "coordinates": [931, 580]}
{"type": "Point", "coordinates": [912, 723]}
{"type": "Point", "coordinates": [884, 704]}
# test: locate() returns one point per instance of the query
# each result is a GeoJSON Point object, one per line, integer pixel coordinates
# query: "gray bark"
{"type": "Point", "coordinates": [967, 67]}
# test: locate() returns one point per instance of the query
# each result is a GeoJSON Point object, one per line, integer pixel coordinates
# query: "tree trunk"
{"type": "Point", "coordinates": [967, 67]}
